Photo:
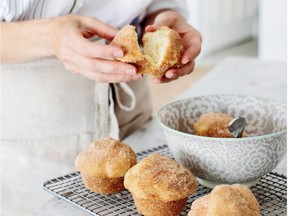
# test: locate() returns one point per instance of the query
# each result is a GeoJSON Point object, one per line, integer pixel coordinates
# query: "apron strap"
{"type": "Point", "coordinates": [101, 102]}
{"type": "Point", "coordinates": [123, 101]}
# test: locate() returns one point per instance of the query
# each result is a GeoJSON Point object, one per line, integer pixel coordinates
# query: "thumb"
{"type": "Point", "coordinates": [161, 20]}
{"type": "Point", "coordinates": [150, 28]}
{"type": "Point", "coordinates": [99, 28]}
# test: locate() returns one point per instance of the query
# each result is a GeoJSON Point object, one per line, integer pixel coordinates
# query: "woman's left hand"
{"type": "Point", "coordinates": [191, 39]}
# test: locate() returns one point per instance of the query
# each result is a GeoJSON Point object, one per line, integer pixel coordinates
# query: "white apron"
{"type": "Point", "coordinates": [48, 115]}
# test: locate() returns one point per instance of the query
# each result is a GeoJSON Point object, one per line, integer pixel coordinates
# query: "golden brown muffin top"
{"type": "Point", "coordinates": [160, 178]}
{"type": "Point", "coordinates": [106, 157]}
{"type": "Point", "coordinates": [226, 200]}
{"type": "Point", "coordinates": [200, 206]}
{"type": "Point", "coordinates": [213, 124]}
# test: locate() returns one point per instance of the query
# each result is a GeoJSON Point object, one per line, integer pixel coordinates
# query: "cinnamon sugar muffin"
{"type": "Point", "coordinates": [159, 185]}
{"type": "Point", "coordinates": [227, 200]}
{"type": "Point", "coordinates": [104, 163]}
{"type": "Point", "coordinates": [213, 124]}
{"type": "Point", "coordinates": [162, 49]}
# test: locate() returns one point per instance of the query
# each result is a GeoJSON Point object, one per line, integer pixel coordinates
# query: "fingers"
{"type": "Point", "coordinates": [87, 48]}
{"type": "Point", "coordinates": [102, 77]}
{"type": "Point", "coordinates": [71, 32]}
{"type": "Point", "coordinates": [96, 50]}
{"type": "Point", "coordinates": [175, 73]}
{"type": "Point", "coordinates": [192, 44]}
{"type": "Point", "coordinates": [150, 28]}
{"type": "Point", "coordinates": [108, 66]}
{"type": "Point", "coordinates": [156, 25]}
{"type": "Point", "coordinates": [101, 70]}
{"type": "Point", "coordinates": [191, 38]}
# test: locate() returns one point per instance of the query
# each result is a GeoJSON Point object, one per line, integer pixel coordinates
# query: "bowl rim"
{"type": "Point", "coordinates": [218, 138]}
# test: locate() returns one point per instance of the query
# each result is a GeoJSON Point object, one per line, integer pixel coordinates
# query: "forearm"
{"type": "Point", "coordinates": [25, 40]}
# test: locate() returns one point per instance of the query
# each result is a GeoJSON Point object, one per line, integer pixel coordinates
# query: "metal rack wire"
{"type": "Point", "coordinates": [270, 191]}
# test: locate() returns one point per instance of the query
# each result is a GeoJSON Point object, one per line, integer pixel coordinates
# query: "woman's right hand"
{"type": "Point", "coordinates": [68, 38]}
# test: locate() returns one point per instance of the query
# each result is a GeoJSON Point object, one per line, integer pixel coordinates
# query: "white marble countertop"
{"type": "Point", "coordinates": [234, 75]}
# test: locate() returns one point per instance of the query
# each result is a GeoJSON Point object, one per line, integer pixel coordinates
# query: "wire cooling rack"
{"type": "Point", "coordinates": [270, 191]}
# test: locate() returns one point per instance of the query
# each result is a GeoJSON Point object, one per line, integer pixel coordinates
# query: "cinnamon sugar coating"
{"type": "Point", "coordinates": [162, 49]}
{"type": "Point", "coordinates": [199, 207]}
{"type": "Point", "coordinates": [226, 200]}
{"type": "Point", "coordinates": [104, 163]}
{"type": "Point", "coordinates": [127, 40]}
{"type": "Point", "coordinates": [160, 178]}
{"type": "Point", "coordinates": [213, 124]}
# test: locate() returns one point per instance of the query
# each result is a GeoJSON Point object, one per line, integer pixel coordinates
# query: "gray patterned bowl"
{"type": "Point", "coordinates": [227, 160]}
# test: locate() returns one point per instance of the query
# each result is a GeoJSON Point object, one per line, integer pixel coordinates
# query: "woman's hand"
{"type": "Point", "coordinates": [68, 36]}
{"type": "Point", "coordinates": [191, 39]}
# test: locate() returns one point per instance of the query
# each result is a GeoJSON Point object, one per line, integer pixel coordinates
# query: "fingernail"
{"type": "Point", "coordinates": [185, 61]}
{"type": "Point", "coordinates": [130, 71]}
{"type": "Point", "coordinates": [169, 74]}
{"type": "Point", "coordinates": [118, 54]}
{"type": "Point", "coordinates": [157, 81]}
{"type": "Point", "coordinates": [137, 77]}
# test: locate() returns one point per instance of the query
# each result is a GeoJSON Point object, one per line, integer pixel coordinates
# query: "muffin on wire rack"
{"type": "Point", "coordinates": [226, 200]}
{"type": "Point", "coordinates": [104, 163]}
{"type": "Point", "coordinates": [159, 185]}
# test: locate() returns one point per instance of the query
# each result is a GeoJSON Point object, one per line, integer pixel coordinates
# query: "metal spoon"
{"type": "Point", "coordinates": [236, 126]}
